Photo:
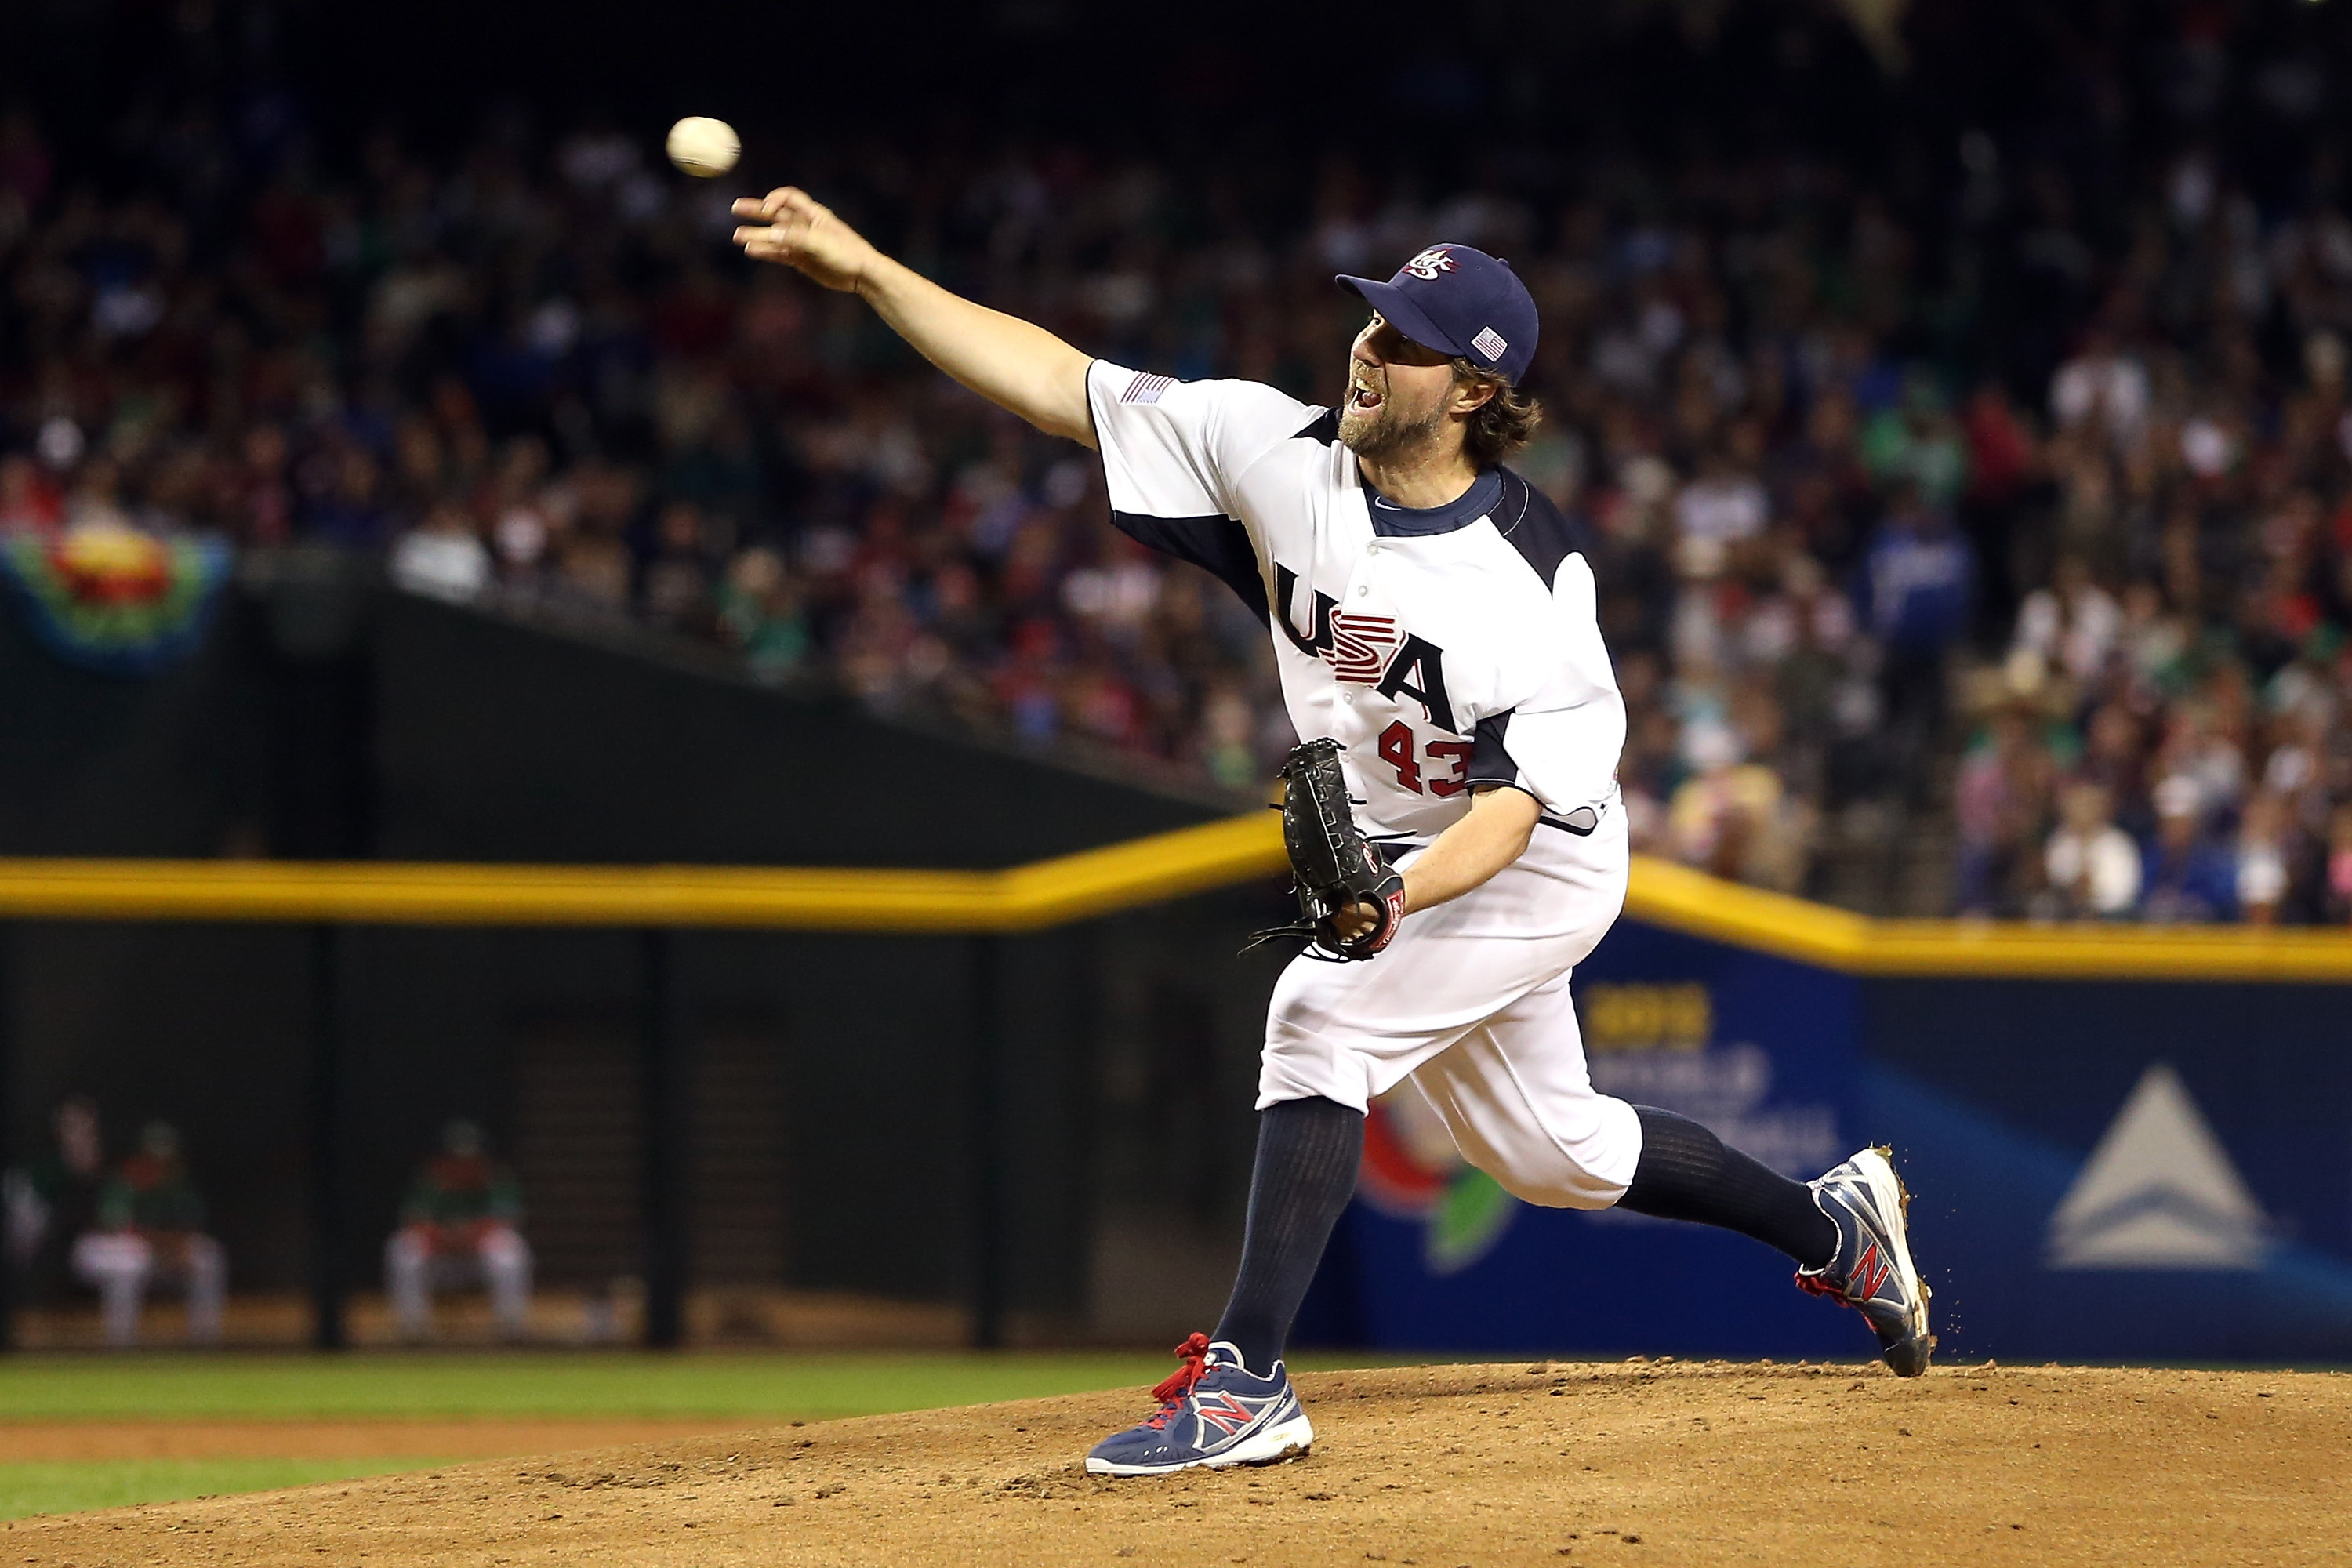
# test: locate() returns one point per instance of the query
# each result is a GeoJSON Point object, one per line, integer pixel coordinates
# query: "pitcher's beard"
{"type": "Point", "coordinates": [1382, 438]}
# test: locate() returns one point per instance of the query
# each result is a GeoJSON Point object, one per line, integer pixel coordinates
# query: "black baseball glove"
{"type": "Point", "coordinates": [1332, 870]}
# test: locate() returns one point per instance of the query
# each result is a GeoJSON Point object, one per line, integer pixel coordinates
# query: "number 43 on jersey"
{"type": "Point", "coordinates": [1437, 767]}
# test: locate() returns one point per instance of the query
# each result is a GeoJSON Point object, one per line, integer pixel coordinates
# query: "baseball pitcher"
{"type": "Point", "coordinates": [1453, 818]}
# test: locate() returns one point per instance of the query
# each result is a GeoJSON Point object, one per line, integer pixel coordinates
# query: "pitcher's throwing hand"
{"type": "Point", "coordinates": [792, 229]}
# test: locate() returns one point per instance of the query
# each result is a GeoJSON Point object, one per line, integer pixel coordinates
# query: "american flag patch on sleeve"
{"type": "Point", "coordinates": [1146, 388]}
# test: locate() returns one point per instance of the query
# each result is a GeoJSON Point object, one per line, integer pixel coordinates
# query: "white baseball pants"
{"type": "Point", "coordinates": [501, 1257]}
{"type": "Point", "coordinates": [121, 1265]}
{"type": "Point", "coordinates": [1471, 1002]}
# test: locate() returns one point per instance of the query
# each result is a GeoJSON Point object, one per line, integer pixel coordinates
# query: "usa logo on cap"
{"type": "Point", "coordinates": [1431, 262]}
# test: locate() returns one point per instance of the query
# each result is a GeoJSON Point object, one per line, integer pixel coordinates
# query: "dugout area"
{"type": "Point", "coordinates": [1518, 1463]}
{"type": "Point", "coordinates": [815, 1091]}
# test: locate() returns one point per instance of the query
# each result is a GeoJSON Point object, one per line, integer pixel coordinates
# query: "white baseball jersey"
{"type": "Point", "coordinates": [1442, 648]}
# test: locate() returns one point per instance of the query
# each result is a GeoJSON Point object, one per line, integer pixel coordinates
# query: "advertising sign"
{"type": "Point", "coordinates": [2104, 1171]}
{"type": "Point", "coordinates": [1434, 1256]}
{"type": "Point", "coordinates": [2099, 1170]}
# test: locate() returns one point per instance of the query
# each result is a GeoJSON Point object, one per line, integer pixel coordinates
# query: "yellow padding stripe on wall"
{"type": "Point", "coordinates": [1025, 898]}
{"type": "Point", "coordinates": [1098, 882]}
{"type": "Point", "coordinates": [1680, 898]}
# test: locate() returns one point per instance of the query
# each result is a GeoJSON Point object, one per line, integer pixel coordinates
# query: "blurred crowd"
{"type": "Point", "coordinates": [2160, 733]}
{"type": "Point", "coordinates": [2037, 536]}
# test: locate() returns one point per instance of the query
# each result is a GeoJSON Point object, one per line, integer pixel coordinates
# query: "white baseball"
{"type": "Point", "coordinates": [703, 146]}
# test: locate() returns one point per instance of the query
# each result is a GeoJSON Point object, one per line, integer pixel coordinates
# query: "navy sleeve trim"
{"type": "Point", "coordinates": [1326, 429]}
{"type": "Point", "coordinates": [1218, 545]}
{"type": "Point", "coordinates": [1543, 535]}
{"type": "Point", "coordinates": [1490, 761]}
{"type": "Point", "coordinates": [1578, 823]}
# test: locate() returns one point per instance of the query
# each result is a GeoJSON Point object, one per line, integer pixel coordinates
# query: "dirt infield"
{"type": "Point", "coordinates": [1513, 1464]}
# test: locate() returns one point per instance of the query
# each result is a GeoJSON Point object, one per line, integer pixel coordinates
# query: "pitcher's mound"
{"type": "Point", "coordinates": [1520, 1463]}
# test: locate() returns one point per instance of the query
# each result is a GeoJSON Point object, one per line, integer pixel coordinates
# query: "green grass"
{"type": "Point", "coordinates": [554, 1384]}
{"type": "Point", "coordinates": [535, 1386]}
{"type": "Point", "coordinates": [559, 1385]}
{"type": "Point", "coordinates": [757, 1388]}
{"type": "Point", "coordinates": [26, 1489]}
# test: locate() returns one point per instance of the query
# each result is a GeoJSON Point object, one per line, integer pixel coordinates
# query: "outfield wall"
{"type": "Point", "coordinates": [841, 1066]}
{"type": "Point", "coordinates": [2101, 1167]}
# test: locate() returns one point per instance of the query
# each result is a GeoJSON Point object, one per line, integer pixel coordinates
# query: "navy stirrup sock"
{"type": "Point", "coordinates": [1308, 1151]}
{"type": "Point", "coordinates": [1687, 1173]}
{"type": "Point", "coordinates": [1307, 1156]}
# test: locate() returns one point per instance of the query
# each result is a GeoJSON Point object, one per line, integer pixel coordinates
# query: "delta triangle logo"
{"type": "Point", "coordinates": [2158, 1192]}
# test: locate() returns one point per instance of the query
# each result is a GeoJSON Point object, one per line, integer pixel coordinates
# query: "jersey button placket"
{"type": "Point", "coordinates": [1350, 727]}
{"type": "Point", "coordinates": [1362, 577]}
{"type": "Point", "coordinates": [1362, 580]}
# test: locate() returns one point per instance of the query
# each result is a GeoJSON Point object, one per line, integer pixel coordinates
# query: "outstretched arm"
{"type": "Point", "coordinates": [1013, 364]}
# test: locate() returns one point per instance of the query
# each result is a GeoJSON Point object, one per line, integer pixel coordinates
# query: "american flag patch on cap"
{"type": "Point", "coordinates": [1489, 342]}
{"type": "Point", "coordinates": [1146, 388]}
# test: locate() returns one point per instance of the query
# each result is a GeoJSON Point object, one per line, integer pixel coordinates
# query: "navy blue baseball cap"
{"type": "Point", "coordinates": [1462, 302]}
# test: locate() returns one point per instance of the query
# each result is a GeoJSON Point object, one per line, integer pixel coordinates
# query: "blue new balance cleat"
{"type": "Point", "coordinates": [1872, 1271]}
{"type": "Point", "coordinates": [1213, 1412]}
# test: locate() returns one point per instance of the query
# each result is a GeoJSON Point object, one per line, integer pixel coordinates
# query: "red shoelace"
{"type": "Point", "coordinates": [1171, 1390]}
{"type": "Point", "coordinates": [1823, 1285]}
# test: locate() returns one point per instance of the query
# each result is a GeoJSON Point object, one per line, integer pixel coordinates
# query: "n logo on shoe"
{"type": "Point", "coordinates": [1225, 1413]}
{"type": "Point", "coordinates": [1869, 1274]}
